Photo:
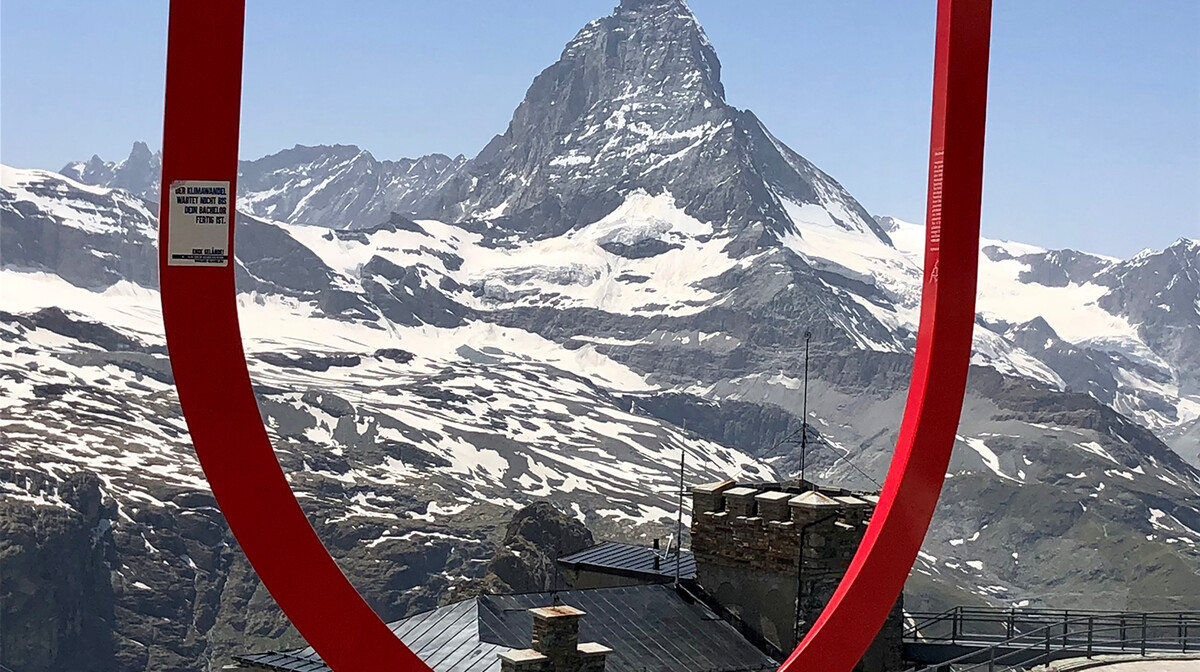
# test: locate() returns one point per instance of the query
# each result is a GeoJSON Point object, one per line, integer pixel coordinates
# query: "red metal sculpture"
{"type": "Point", "coordinates": [876, 576]}
{"type": "Point", "coordinates": [200, 143]}
{"type": "Point", "coordinates": [196, 262]}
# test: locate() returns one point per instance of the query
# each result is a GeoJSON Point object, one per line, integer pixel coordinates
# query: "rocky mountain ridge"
{"type": "Point", "coordinates": [337, 186]}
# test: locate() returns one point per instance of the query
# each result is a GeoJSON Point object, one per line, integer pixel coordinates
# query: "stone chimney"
{"type": "Point", "coordinates": [556, 646]}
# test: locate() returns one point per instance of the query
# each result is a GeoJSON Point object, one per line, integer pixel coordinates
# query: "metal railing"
{"type": "Point", "coordinates": [1010, 639]}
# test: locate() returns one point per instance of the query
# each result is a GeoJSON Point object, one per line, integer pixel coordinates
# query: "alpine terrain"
{"type": "Point", "coordinates": [622, 279]}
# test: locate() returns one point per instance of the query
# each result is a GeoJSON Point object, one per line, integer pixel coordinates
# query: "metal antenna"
{"type": "Point", "coordinates": [804, 420]}
{"type": "Point", "coordinates": [554, 585]}
{"type": "Point", "coordinates": [679, 521]}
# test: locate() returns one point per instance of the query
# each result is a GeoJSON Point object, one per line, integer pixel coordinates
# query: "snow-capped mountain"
{"type": "Point", "coordinates": [624, 276]}
{"type": "Point", "coordinates": [339, 186]}
{"type": "Point", "coordinates": [635, 103]}
{"type": "Point", "coordinates": [407, 432]}
{"type": "Point", "coordinates": [139, 173]}
{"type": "Point", "coordinates": [1124, 332]}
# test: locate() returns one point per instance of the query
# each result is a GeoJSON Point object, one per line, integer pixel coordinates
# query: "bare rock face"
{"type": "Point", "coordinates": [56, 599]}
{"type": "Point", "coordinates": [636, 102]}
{"type": "Point", "coordinates": [339, 186]}
{"type": "Point", "coordinates": [138, 174]}
{"type": "Point", "coordinates": [89, 584]}
{"type": "Point", "coordinates": [1159, 291]}
{"type": "Point", "coordinates": [536, 537]}
{"type": "Point", "coordinates": [546, 527]}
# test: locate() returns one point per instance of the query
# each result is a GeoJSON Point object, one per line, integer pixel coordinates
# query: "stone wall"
{"type": "Point", "coordinates": [772, 556]}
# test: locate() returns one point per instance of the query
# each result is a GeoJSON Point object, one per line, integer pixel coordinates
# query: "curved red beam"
{"type": "Point", "coordinates": [200, 143]}
{"type": "Point", "coordinates": [200, 314]}
{"type": "Point", "coordinates": [859, 607]}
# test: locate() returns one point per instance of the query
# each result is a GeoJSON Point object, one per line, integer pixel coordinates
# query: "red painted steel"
{"type": "Point", "coordinates": [200, 142]}
{"type": "Point", "coordinates": [200, 137]}
{"type": "Point", "coordinates": [859, 607]}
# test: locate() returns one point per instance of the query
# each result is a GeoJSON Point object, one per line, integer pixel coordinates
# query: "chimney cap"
{"type": "Point", "coordinates": [522, 656]}
{"type": "Point", "coordinates": [813, 499]}
{"type": "Point", "coordinates": [741, 492]}
{"type": "Point", "coordinates": [713, 488]}
{"type": "Point", "coordinates": [773, 496]}
{"type": "Point", "coordinates": [851, 500]}
{"type": "Point", "coordinates": [593, 649]}
{"type": "Point", "coordinates": [558, 611]}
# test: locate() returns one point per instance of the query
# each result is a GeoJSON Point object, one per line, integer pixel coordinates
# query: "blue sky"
{"type": "Point", "coordinates": [1094, 113]}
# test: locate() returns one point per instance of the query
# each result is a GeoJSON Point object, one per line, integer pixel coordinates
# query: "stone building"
{"type": "Point", "coordinates": [764, 561]}
{"type": "Point", "coordinates": [640, 628]}
{"type": "Point", "coordinates": [771, 555]}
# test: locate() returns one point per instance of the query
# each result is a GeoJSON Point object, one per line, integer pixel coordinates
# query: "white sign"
{"type": "Point", "coordinates": [198, 223]}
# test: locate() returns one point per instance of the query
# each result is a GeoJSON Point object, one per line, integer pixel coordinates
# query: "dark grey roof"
{"type": "Point", "coordinates": [650, 629]}
{"type": "Point", "coordinates": [631, 559]}
{"type": "Point", "coordinates": [295, 661]}
{"type": "Point", "coordinates": [447, 639]}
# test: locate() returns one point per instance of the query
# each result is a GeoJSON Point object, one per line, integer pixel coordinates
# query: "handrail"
{"type": "Point", "coordinates": [1041, 611]}
{"type": "Point", "coordinates": [1058, 638]}
{"type": "Point", "coordinates": [931, 618]}
{"type": "Point", "coordinates": [958, 616]}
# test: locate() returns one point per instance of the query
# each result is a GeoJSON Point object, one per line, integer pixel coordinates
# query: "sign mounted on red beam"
{"type": "Point", "coordinates": [196, 268]}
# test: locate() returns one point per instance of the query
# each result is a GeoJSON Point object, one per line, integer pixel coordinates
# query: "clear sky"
{"type": "Point", "coordinates": [1094, 114]}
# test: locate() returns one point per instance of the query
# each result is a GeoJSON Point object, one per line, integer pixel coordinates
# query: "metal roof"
{"type": "Point", "coordinates": [631, 559]}
{"type": "Point", "coordinates": [649, 628]}
{"type": "Point", "coordinates": [446, 638]}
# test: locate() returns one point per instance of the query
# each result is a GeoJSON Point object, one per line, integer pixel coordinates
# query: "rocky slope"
{"type": "Point", "coordinates": [139, 173]}
{"type": "Point", "coordinates": [337, 186]}
{"type": "Point", "coordinates": [340, 186]}
{"type": "Point", "coordinates": [627, 273]}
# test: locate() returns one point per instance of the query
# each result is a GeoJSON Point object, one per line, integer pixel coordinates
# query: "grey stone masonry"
{"type": "Point", "coordinates": [524, 660]}
{"type": "Point", "coordinates": [592, 657]}
{"type": "Point", "coordinates": [740, 501]}
{"type": "Point", "coordinates": [556, 633]}
{"type": "Point", "coordinates": [709, 497]}
{"type": "Point", "coordinates": [773, 505]}
{"type": "Point", "coordinates": [772, 555]}
{"type": "Point", "coordinates": [556, 646]}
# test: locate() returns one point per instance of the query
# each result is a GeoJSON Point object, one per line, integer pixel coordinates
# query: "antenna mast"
{"type": "Point", "coordinates": [804, 420]}
{"type": "Point", "coordinates": [554, 585]}
{"type": "Point", "coordinates": [679, 521]}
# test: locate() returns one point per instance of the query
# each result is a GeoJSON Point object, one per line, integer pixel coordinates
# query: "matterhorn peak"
{"type": "Point", "coordinates": [635, 104]}
{"type": "Point", "coordinates": [642, 4]}
{"type": "Point", "coordinates": [642, 45]}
